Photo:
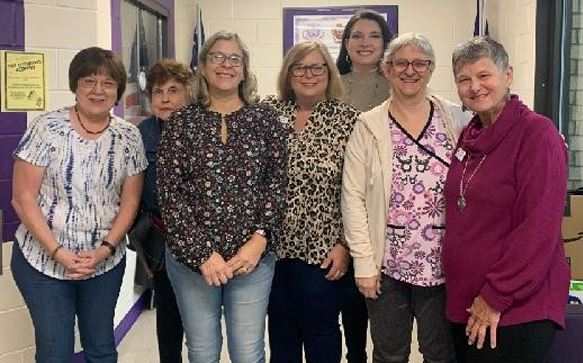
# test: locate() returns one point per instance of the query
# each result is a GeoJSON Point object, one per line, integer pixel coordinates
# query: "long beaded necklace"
{"type": "Point", "coordinates": [87, 130]}
{"type": "Point", "coordinates": [462, 201]}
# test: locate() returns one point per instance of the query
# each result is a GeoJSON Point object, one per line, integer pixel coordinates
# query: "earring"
{"type": "Point", "coordinates": [348, 59]}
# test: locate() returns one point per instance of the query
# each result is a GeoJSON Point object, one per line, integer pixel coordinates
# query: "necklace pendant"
{"type": "Point", "coordinates": [461, 203]}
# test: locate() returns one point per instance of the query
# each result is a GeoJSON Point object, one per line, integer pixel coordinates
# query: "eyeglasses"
{"type": "Point", "coordinates": [91, 82]}
{"type": "Point", "coordinates": [300, 70]}
{"type": "Point", "coordinates": [419, 65]}
{"type": "Point", "coordinates": [159, 92]}
{"type": "Point", "coordinates": [235, 60]}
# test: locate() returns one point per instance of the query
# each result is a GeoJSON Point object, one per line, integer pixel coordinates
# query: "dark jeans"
{"type": "Point", "coordinates": [521, 343]}
{"type": "Point", "coordinates": [53, 304]}
{"type": "Point", "coordinates": [303, 310]}
{"type": "Point", "coordinates": [168, 323]}
{"type": "Point", "coordinates": [391, 323]}
{"type": "Point", "coordinates": [354, 320]}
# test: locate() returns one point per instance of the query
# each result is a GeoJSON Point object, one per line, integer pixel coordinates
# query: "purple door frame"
{"type": "Point", "coordinates": [13, 123]}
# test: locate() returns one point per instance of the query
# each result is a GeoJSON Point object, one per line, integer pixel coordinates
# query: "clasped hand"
{"type": "Point", "coordinates": [216, 271]}
{"type": "Point", "coordinates": [81, 265]}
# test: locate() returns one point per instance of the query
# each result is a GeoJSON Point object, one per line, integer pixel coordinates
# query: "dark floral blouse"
{"type": "Point", "coordinates": [312, 223]}
{"type": "Point", "coordinates": [214, 196]}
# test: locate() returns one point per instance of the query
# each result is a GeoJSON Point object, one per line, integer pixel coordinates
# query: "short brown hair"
{"type": "Point", "coordinates": [165, 70]}
{"type": "Point", "coordinates": [335, 88]}
{"type": "Point", "coordinates": [95, 60]}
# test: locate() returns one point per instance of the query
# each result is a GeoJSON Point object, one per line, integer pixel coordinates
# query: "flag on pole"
{"type": "Point", "coordinates": [144, 60]}
{"type": "Point", "coordinates": [197, 40]}
{"type": "Point", "coordinates": [481, 23]}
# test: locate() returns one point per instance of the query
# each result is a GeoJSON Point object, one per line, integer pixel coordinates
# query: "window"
{"type": "Point", "coordinates": [143, 39]}
{"type": "Point", "coordinates": [559, 75]}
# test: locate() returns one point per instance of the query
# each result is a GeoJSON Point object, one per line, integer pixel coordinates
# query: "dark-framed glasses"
{"type": "Point", "coordinates": [419, 65]}
{"type": "Point", "coordinates": [299, 70]}
{"type": "Point", "coordinates": [92, 82]}
{"type": "Point", "coordinates": [235, 60]}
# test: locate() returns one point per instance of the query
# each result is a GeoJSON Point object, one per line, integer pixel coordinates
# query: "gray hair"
{"type": "Point", "coordinates": [477, 48]}
{"type": "Point", "coordinates": [247, 87]}
{"type": "Point", "coordinates": [410, 39]}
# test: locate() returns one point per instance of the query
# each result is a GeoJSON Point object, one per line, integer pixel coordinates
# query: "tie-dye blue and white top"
{"type": "Point", "coordinates": [80, 192]}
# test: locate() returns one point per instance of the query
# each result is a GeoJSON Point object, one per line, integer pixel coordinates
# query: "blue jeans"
{"type": "Point", "coordinates": [304, 309]}
{"type": "Point", "coordinates": [244, 301]}
{"type": "Point", "coordinates": [53, 304]}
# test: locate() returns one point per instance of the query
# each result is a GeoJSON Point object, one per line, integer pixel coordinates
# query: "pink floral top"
{"type": "Point", "coordinates": [417, 205]}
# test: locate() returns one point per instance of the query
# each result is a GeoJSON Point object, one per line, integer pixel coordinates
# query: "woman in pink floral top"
{"type": "Point", "coordinates": [393, 206]}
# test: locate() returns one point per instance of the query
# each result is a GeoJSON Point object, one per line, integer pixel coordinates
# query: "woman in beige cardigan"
{"type": "Point", "coordinates": [395, 166]}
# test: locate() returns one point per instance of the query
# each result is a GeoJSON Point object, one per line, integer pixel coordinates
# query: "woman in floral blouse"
{"type": "Point", "coordinates": [221, 179]}
{"type": "Point", "coordinates": [393, 206]}
{"type": "Point", "coordinates": [308, 285]}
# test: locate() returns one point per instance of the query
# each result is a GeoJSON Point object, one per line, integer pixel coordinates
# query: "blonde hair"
{"type": "Point", "coordinates": [247, 87]}
{"type": "Point", "coordinates": [335, 88]}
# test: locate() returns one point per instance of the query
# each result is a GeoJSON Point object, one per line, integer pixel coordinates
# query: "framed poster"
{"type": "Point", "coordinates": [327, 24]}
{"type": "Point", "coordinates": [25, 83]}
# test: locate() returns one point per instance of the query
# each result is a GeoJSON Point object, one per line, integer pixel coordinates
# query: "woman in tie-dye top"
{"type": "Point", "coordinates": [76, 188]}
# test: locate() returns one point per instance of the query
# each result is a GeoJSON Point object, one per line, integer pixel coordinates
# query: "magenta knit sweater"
{"type": "Point", "coordinates": [506, 244]}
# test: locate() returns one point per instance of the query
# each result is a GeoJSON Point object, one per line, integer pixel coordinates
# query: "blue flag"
{"type": "Point", "coordinates": [481, 23]}
{"type": "Point", "coordinates": [197, 41]}
{"type": "Point", "coordinates": [144, 60]}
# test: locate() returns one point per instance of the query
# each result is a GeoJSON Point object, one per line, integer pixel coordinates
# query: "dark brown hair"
{"type": "Point", "coordinates": [168, 69]}
{"type": "Point", "coordinates": [95, 60]}
{"type": "Point", "coordinates": [343, 61]}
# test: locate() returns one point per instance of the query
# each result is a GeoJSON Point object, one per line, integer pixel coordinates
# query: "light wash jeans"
{"type": "Point", "coordinates": [244, 301]}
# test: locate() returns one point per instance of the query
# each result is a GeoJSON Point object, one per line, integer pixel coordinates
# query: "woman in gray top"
{"type": "Point", "coordinates": [364, 41]}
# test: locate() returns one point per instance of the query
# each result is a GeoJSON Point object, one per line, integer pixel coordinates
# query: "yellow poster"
{"type": "Point", "coordinates": [24, 81]}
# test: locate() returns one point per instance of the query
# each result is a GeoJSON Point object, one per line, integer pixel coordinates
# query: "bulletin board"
{"type": "Point", "coordinates": [327, 24]}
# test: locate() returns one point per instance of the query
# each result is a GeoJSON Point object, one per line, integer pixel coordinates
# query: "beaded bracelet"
{"type": "Point", "coordinates": [54, 253]}
{"type": "Point", "coordinates": [109, 245]}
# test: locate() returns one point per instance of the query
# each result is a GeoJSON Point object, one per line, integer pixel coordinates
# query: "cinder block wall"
{"type": "Point", "coordinates": [259, 22]}
{"type": "Point", "coordinates": [446, 23]}
{"type": "Point", "coordinates": [575, 131]}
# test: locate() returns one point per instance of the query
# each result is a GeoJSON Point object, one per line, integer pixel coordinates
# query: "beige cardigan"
{"type": "Point", "coordinates": [366, 182]}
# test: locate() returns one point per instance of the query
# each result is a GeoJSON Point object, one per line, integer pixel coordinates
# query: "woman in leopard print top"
{"type": "Point", "coordinates": [312, 257]}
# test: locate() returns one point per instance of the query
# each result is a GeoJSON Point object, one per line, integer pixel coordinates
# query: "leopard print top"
{"type": "Point", "coordinates": [312, 222]}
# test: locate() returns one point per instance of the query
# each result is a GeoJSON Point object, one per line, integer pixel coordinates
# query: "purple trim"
{"type": "Point", "coordinates": [116, 33]}
{"type": "Point", "coordinates": [125, 325]}
{"type": "Point", "coordinates": [13, 123]}
{"type": "Point", "coordinates": [290, 13]}
{"type": "Point", "coordinates": [132, 316]}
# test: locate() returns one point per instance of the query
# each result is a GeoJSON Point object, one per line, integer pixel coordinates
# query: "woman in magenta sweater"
{"type": "Point", "coordinates": [507, 278]}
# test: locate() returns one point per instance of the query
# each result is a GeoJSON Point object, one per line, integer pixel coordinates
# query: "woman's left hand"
{"type": "Point", "coordinates": [482, 317]}
{"type": "Point", "coordinates": [339, 258]}
{"type": "Point", "coordinates": [93, 257]}
{"type": "Point", "coordinates": [248, 256]}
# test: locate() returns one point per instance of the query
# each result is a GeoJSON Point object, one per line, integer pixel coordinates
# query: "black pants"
{"type": "Point", "coordinates": [391, 323]}
{"type": "Point", "coordinates": [168, 323]}
{"type": "Point", "coordinates": [521, 343]}
{"type": "Point", "coordinates": [303, 313]}
{"type": "Point", "coordinates": [354, 321]}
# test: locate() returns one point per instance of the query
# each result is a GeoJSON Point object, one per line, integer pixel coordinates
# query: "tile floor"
{"type": "Point", "coordinates": [140, 346]}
